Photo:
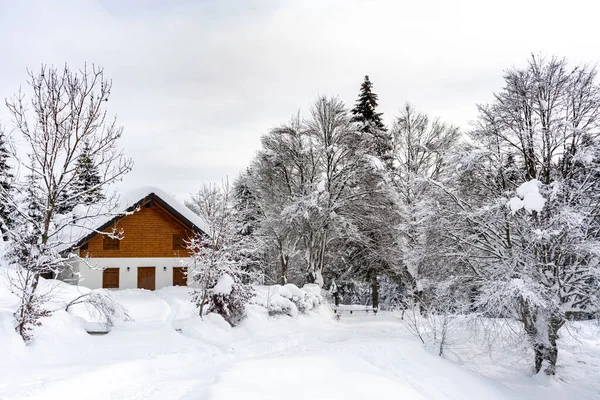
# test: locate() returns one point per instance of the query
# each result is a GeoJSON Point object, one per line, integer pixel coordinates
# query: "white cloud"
{"type": "Point", "coordinates": [197, 83]}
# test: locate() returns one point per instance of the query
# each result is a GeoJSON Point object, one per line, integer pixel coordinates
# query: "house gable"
{"type": "Point", "coordinates": [147, 232]}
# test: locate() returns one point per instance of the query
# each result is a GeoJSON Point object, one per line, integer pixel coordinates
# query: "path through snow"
{"type": "Point", "coordinates": [361, 357]}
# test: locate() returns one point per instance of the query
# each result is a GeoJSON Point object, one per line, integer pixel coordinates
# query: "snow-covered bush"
{"type": "Point", "coordinates": [313, 297]}
{"type": "Point", "coordinates": [228, 299]}
{"type": "Point", "coordinates": [288, 299]}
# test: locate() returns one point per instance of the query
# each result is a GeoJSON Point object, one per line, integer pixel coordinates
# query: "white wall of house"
{"type": "Point", "coordinates": [91, 276]}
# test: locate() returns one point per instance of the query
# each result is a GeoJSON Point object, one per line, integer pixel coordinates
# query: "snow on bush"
{"type": "Point", "coordinates": [229, 299]}
{"type": "Point", "coordinates": [289, 299]}
{"type": "Point", "coordinates": [528, 197]}
{"type": "Point", "coordinates": [224, 285]}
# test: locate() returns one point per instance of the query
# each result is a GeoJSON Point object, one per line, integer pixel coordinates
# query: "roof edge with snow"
{"type": "Point", "coordinates": [182, 213]}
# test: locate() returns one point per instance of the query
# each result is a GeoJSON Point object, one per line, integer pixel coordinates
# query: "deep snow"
{"type": "Point", "coordinates": [313, 356]}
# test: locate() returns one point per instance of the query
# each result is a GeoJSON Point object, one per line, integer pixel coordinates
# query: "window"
{"type": "Point", "coordinates": [84, 246]}
{"type": "Point", "coordinates": [109, 243]}
{"type": "Point", "coordinates": [179, 242]}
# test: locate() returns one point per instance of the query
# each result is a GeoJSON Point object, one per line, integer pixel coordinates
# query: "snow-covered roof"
{"type": "Point", "coordinates": [169, 200]}
{"type": "Point", "coordinates": [97, 218]}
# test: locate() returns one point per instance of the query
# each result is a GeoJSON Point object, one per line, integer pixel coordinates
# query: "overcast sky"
{"type": "Point", "coordinates": [196, 83]}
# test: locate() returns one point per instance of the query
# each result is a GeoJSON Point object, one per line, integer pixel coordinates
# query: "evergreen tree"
{"type": "Point", "coordinates": [65, 201]}
{"type": "Point", "coordinates": [246, 204]}
{"type": "Point", "coordinates": [370, 255]}
{"type": "Point", "coordinates": [246, 216]}
{"type": "Point", "coordinates": [379, 140]}
{"type": "Point", "coordinates": [33, 201]}
{"type": "Point", "coordinates": [364, 110]}
{"type": "Point", "coordinates": [6, 178]}
{"type": "Point", "coordinates": [215, 264]}
{"type": "Point", "coordinates": [87, 179]}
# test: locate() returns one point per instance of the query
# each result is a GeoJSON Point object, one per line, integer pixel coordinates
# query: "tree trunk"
{"type": "Point", "coordinates": [283, 259]}
{"type": "Point", "coordinates": [548, 351]}
{"type": "Point", "coordinates": [203, 301]}
{"type": "Point", "coordinates": [543, 340]}
{"type": "Point", "coordinates": [374, 291]}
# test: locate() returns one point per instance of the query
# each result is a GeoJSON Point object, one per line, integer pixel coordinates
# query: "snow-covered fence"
{"type": "Point", "coordinates": [353, 308]}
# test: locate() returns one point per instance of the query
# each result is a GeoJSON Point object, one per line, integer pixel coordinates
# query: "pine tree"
{"type": "Point", "coordinates": [6, 178]}
{"type": "Point", "coordinates": [364, 110]}
{"type": "Point", "coordinates": [65, 201]}
{"type": "Point", "coordinates": [369, 259]}
{"type": "Point", "coordinates": [246, 219]}
{"type": "Point", "coordinates": [33, 201]}
{"type": "Point", "coordinates": [365, 113]}
{"type": "Point", "coordinates": [87, 179]}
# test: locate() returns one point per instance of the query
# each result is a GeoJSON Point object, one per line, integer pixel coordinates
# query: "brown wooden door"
{"type": "Point", "coordinates": [110, 278]}
{"type": "Point", "coordinates": [146, 278]}
{"type": "Point", "coordinates": [179, 276]}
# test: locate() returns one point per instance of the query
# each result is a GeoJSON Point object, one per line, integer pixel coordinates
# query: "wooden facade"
{"type": "Point", "coordinates": [150, 232]}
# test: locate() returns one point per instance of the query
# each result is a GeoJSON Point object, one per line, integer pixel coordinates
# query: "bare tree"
{"type": "Point", "coordinates": [63, 113]}
{"type": "Point", "coordinates": [286, 169]}
{"type": "Point", "coordinates": [422, 147]}
{"type": "Point", "coordinates": [526, 202]}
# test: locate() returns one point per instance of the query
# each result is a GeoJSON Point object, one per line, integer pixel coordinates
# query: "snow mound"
{"type": "Point", "coordinates": [528, 197]}
{"type": "Point", "coordinates": [224, 285]}
{"type": "Point", "coordinates": [288, 299]}
{"type": "Point", "coordinates": [143, 305]}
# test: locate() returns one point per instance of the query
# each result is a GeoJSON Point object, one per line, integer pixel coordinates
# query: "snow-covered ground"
{"type": "Point", "coordinates": [313, 356]}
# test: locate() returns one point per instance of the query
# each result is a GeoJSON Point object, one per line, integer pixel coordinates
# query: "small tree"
{"type": "Point", "coordinates": [6, 187]}
{"type": "Point", "coordinates": [214, 265]}
{"type": "Point", "coordinates": [103, 306]}
{"type": "Point", "coordinates": [365, 113]}
{"type": "Point", "coordinates": [247, 217]}
{"type": "Point", "coordinates": [87, 183]}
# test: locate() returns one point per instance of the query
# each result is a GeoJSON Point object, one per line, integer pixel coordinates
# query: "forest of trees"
{"type": "Point", "coordinates": [500, 221]}
{"type": "Point", "coordinates": [497, 221]}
